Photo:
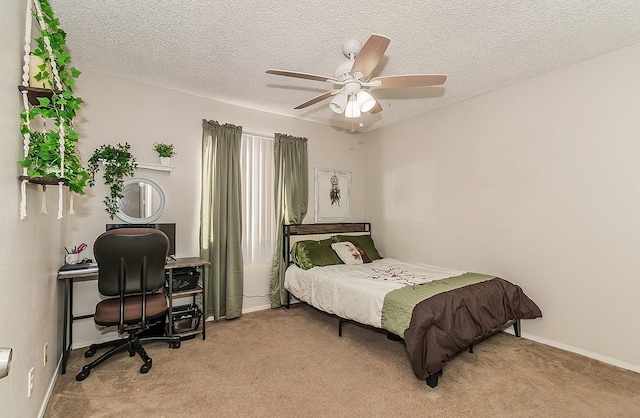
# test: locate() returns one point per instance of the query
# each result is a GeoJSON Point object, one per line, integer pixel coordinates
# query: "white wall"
{"type": "Point", "coordinates": [536, 183]}
{"type": "Point", "coordinates": [31, 248]}
{"type": "Point", "coordinates": [116, 110]}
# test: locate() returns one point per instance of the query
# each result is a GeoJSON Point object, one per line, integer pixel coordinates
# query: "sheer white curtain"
{"type": "Point", "coordinates": [258, 218]}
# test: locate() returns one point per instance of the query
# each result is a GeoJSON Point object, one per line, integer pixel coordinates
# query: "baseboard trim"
{"type": "Point", "coordinates": [605, 359]}
{"type": "Point", "coordinates": [107, 337]}
{"type": "Point", "coordinates": [256, 309]}
{"type": "Point", "coordinates": [244, 311]}
{"type": "Point", "coordinates": [52, 384]}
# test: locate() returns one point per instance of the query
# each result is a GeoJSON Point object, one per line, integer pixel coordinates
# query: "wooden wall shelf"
{"type": "Point", "coordinates": [34, 92]}
{"type": "Point", "coordinates": [157, 167]}
{"type": "Point", "coordinates": [51, 181]}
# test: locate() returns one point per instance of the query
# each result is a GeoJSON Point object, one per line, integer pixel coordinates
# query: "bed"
{"type": "Point", "coordinates": [437, 312]}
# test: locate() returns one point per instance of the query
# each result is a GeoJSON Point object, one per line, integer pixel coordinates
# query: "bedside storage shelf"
{"type": "Point", "coordinates": [189, 334]}
{"type": "Point", "coordinates": [197, 294]}
{"type": "Point", "coordinates": [183, 293]}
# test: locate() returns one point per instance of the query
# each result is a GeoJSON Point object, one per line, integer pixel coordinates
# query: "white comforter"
{"type": "Point", "coordinates": [357, 292]}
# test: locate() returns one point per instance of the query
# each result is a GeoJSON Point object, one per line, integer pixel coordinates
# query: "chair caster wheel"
{"type": "Point", "coordinates": [146, 367]}
{"type": "Point", "coordinates": [90, 351]}
{"type": "Point", "coordinates": [175, 345]}
{"type": "Point", "coordinates": [82, 375]}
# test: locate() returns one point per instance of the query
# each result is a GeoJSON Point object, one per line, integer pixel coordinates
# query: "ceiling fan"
{"type": "Point", "coordinates": [352, 79]}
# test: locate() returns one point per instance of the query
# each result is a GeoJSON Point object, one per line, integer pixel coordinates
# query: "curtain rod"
{"type": "Point", "coordinates": [258, 134]}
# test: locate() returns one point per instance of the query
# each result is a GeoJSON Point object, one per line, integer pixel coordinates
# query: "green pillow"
{"type": "Point", "coordinates": [308, 254]}
{"type": "Point", "coordinates": [365, 241]}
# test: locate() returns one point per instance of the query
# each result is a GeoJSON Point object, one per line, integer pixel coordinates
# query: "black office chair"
{"type": "Point", "coordinates": [130, 266]}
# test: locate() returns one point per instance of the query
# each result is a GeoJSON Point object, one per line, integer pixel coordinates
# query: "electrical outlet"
{"type": "Point", "coordinates": [46, 349]}
{"type": "Point", "coordinates": [30, 383]}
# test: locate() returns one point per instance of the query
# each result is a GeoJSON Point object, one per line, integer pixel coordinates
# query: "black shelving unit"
{"type": "Point", "coordinates": [196, 293]}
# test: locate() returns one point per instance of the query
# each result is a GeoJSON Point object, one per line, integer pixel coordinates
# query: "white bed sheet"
{"type": "Point", "coordinates": [356, 292]}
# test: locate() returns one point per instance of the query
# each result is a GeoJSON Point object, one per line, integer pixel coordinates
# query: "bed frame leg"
{"type": "Point", "coordinates": [517, 328]}
{"type": "Point", "coordinates": [288, 305]}
{"type": "Point", "coordinates": [340, 322]}
{"type": "Point", "coordinates": [432, 381]}
{"type": "Point", "coordinates": [393, 337]}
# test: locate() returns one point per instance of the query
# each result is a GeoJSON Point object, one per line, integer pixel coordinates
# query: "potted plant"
{"type": "Point", "coordinates": [165, 151]}
{"type": "Point", "coordinates": [118, 163]}
{"type": "Point", "coordinates": [57, 107]}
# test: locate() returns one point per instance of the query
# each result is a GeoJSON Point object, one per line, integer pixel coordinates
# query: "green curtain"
{"type": "Point", "coordinates": [292, 197]}
{"type": "Point", "coordinates": [221, 218]}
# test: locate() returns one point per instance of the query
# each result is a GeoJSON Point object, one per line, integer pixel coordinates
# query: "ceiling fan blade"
{"type": "Point", "coordinates": [410, 80]}
{"type": "Point", "coordinates": [376, 108]}
{"type": "Point", "coordinates": [369, 56]}
{"type": "Point", "coordinates": [316, 99]}
{"type": "Point", "coordinates": [301, 75]}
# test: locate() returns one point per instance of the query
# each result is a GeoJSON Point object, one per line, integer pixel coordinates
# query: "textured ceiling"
{"type": "Point", "coordinates": [222, 50]}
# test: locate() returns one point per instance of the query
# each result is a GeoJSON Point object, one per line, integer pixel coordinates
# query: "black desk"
{"type": "Point", "coordinates": [72, 276]}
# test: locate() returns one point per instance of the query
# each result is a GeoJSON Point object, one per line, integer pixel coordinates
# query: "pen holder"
{"type": "Point", "coordinates": [73, 258]}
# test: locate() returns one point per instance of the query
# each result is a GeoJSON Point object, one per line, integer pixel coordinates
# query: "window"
{"type": "Point", "coordinates": [258, 207]}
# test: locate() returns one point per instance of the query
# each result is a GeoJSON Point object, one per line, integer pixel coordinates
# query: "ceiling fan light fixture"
{"type": "Point", "coordinates": [354, 75]}
{"type": "Point", "coordinates": [353, 109]}
{"type": "Point", "coordinates": [339, 103]}
{"type": "Point", "coordinates": [365, 101]}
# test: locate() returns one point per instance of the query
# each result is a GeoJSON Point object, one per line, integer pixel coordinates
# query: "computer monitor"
{"type": "Point", "coordinates": [168, 228]}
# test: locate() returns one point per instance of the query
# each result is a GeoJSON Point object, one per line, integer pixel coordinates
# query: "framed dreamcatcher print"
{"type": "Point", "coordinates": [333, 195]}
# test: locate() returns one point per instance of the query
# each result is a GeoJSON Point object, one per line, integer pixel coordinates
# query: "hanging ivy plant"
{"type": "Point", "coordinates": [118, 163]}
{"type": "Point", "coordinates": [43, 158]}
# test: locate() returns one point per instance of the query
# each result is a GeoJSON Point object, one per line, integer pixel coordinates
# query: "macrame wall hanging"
{"type": "Point", "coordinates": [50, 97]}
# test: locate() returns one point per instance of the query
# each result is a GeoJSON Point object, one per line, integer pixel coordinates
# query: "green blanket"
{"type": "Point", "coordinates": [398, 304]}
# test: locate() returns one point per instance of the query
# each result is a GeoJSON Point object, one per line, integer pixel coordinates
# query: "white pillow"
{"type": "Point", "coordinates": [347, 252]}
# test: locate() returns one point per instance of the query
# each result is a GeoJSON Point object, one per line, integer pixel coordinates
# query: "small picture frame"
{"type": "Point", "coordinates": [333, 195]}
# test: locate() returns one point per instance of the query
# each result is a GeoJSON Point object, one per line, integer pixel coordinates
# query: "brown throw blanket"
{"type": "Point", "coordinates": [447, 323]}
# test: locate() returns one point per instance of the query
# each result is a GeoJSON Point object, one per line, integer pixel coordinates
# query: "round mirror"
{"type": "Point", "coordinates": [142, 202]}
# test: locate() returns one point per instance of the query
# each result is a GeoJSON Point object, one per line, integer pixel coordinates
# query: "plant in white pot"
{"type": "Point", "coordinates": [165, 151]}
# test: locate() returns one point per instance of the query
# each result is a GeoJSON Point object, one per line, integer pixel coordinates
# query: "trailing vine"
{"type": "Point", "coordinates": [43, 158]}
{"type": "Point", "coordinates": [118, 163]}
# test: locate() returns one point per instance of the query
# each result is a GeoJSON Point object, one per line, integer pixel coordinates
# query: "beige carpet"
{"type": "Point", "coordinates": [293, 364]}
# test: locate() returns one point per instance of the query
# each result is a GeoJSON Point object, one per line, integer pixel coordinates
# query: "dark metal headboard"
{"type": "Point", "coordinates": [314, 229]}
